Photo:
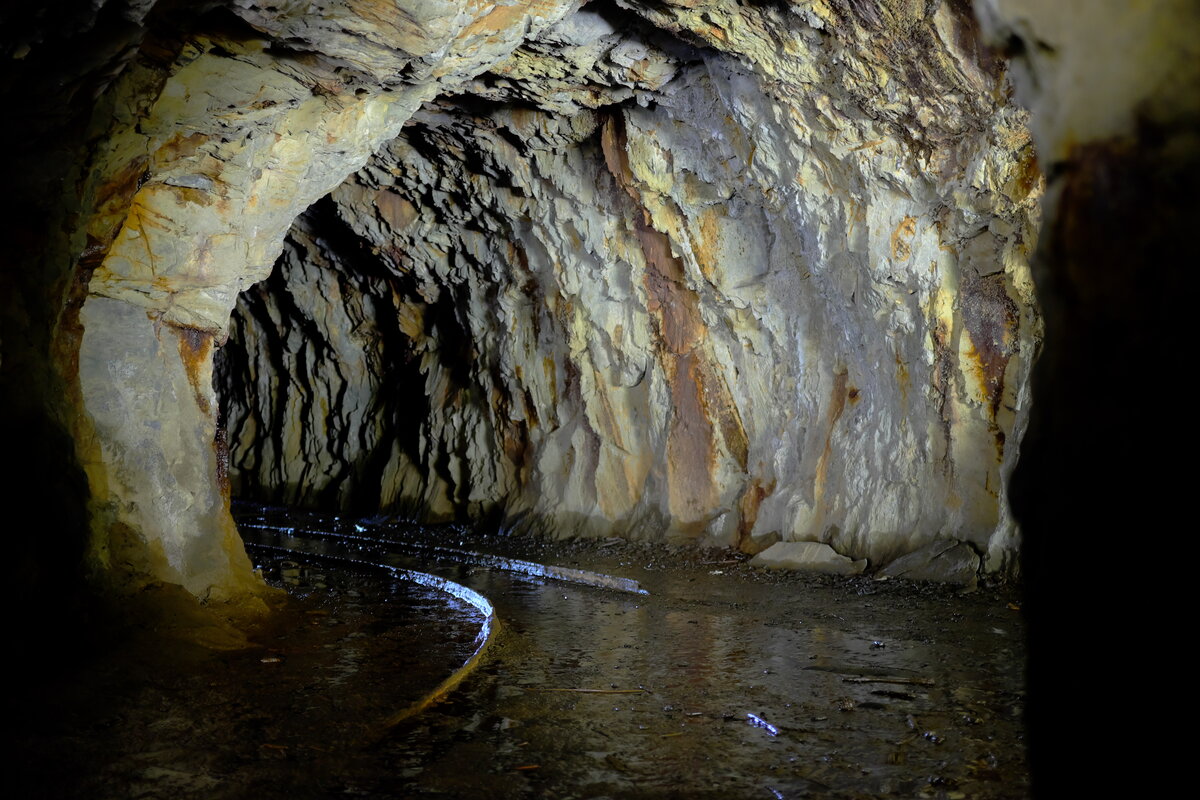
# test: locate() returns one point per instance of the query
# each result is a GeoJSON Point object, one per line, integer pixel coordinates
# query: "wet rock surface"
{"type": "Point", "coordinates": [725, 680]}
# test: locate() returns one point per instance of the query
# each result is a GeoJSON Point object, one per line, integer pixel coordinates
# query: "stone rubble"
{"type": "Point", "coordinates": [942, 560]}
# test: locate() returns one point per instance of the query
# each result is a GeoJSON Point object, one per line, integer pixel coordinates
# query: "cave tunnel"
{"type": "Point", "coordinates": [772, 399]}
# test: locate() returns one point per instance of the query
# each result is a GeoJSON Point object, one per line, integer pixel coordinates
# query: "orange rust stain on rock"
{"type": "Point", "coordinates": [701, 403]}
{"type": "Point", "coordinates": [514, 435]}
{"type": "Point", "coordinates": [186, 195]}
{"type": "Point", "coordinates": [706, 245]}
{"type": "Point", "coordinates": [395, 210]}
{"type": "Point", "coordinates": [501, 18]}
{"type": "Point", "coordinates": [902, 377]}
{"type": "Point", "coordinates": [719, 406]}
{"type": "Point", "coordinates": [990, 316]}
{"type": "Point", "coordinates": [674, 305]}
{"type": "Point", "coordinates": [605, 419]}
{"type": "Point", "coordinates": [1028, 178]}
{"type": "Point", "coordinates": [907, 229]}
{"type": "Point", "coordinates": [66, 344]}
{"type": "Point", "coordinates": [178, 147]}
{"type": "Point", "coordinates": [837, 399]}
{"type": "Point", "coordinates": [195, 349]}
{"type": "Point", "coordinates": [551, 373]}
{"type": "Point", "coordinates": [531, 412]}
{"type": "Point", "coordinates": [613, 143]}
{"type": "Point", "coordinates": [117, 192]}
{"type": "Point", "coordinates": [943, 383]}
{"type": "Point", "coordinates": [865, 145]}
{"type": "Point", "coordinates": [690, 452]}
{"type": "Point", "coordinates": [637, 70]}
{"type": "Point", "coordinates": [111, 195]}
{"type": "Point", "coordinates": [837, 404]}
{"type": "Point", "coordinates": [748, 505]}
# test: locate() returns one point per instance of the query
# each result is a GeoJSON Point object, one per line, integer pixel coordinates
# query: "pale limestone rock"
{"type": "Point", "coordinates": [942, 561]}
{"type": "Point", "coordinates": [808, 557]}
{"type": "Point", "coordinates": [1091, 70]}
{"type": "Point", "coordinates": [151, 383]}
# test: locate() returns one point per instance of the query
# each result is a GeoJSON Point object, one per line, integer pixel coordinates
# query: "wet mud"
{"type": "Point", "coordinates": [721, 680]}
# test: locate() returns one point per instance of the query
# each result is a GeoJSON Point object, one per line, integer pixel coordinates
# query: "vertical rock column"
{"type": "Point", "coordinates": [208, 218]}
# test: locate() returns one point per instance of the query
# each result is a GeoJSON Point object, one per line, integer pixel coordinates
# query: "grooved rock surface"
{"type": "Point", "coordinates": [319, 355]}
{"type": "Point", "coordinates": [685, 271]}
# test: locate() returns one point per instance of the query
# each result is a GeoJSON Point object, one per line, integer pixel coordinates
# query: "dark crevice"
{"type": "Point", "coordinates": [352, 457]}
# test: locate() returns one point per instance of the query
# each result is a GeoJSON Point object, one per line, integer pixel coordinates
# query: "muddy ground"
{"type": "Point", "coordinates": [723, 681]}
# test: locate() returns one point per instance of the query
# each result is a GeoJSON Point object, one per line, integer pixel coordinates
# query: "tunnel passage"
{"type": "Point", "coordinates": [319, 380]}
{"type": "Point", "coordinates": [663, 285]}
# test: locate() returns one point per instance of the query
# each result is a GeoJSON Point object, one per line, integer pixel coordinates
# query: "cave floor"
{"type": "Point", "coordinates": [723, 681]}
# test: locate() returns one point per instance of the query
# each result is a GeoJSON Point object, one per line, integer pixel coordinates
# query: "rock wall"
{"type": "Point", "coordinates": [682, 271]}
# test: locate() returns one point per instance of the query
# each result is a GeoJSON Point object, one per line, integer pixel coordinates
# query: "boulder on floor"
{"type": "Point", "coordinates": [810, 556]}
{"type": "Point", "coordinates": [942, 560]}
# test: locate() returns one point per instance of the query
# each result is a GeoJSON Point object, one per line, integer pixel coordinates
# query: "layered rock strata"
{"type": "Point", "coordinates": [685, 272]}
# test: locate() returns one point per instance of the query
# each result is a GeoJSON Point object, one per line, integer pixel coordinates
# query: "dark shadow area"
{"type": "Point", "coordinates": [1101, 489]}
{"type": "Point", "coordinates": [268, 313]}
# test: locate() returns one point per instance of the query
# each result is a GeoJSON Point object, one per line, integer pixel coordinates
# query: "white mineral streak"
{"type": "Point", "coordinates": [708, 273]}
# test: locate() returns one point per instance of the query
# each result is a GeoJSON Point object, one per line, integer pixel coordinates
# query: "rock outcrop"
{"type": "Point", "coordinates": [718, 272]}
{"type": "Point", "coordinates": [808, 557]}
{"type": "Point", "coordinates": [941, 561]}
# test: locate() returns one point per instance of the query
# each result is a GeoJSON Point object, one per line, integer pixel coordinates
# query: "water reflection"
{"type": "Point", "coordinates": [736, 684]}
